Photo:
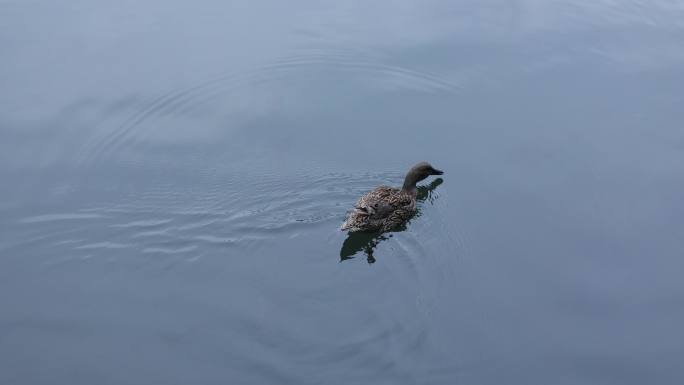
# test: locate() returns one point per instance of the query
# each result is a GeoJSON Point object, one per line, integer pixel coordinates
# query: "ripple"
{"type": "Point", "coordinates": [58, 217]}
{"type": "Point", "coordinates": [103, 245]}
{"type": "Point", "coordinates": [216, 239]}
{"type": "Point", "coordinates": [187, 101]}
{"type": "Point", "coordinates": [203, 218]}
{"type": "Point", "coordinates": [167, 250]}
{"type": "Point", "coordinates": [144, 223]}
{"type": "Point", "coordinates": [151, 233]}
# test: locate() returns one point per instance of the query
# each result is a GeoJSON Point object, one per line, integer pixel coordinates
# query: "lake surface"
{"type": "Point", "coordinates": [173, 176]}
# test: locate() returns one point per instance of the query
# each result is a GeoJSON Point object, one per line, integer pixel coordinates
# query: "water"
{"type": "Point", "coordinates": [173, 177]}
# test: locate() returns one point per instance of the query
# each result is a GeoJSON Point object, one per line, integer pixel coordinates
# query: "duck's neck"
{"type": "Point", "coordinates": [410, 183]}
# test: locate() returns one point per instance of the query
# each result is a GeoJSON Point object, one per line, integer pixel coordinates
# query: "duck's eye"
{"type": "Point", "coordinates": [375, 205]}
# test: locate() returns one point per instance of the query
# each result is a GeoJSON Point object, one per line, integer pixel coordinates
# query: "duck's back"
{"type": "Point", "coordinates": [381, 209]}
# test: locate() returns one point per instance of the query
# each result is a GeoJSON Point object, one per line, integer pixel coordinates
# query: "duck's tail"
{"type": "Point", "coordinates": [354, 220]}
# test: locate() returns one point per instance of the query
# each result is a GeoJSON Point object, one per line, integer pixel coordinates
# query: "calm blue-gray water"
{"type": "Point", "coordinates": [173, 176]}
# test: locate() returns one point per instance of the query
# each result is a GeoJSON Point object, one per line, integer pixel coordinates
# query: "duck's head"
{"type": "Point", "coordinates": [417, 173]}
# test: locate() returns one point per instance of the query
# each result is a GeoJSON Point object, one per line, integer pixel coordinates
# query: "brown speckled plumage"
{"type": "Point", "coordinates": [385, 208]}
{"type": "Point", "coordinates": [381, 210]}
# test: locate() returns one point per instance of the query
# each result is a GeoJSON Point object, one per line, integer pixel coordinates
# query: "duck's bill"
{"type": "Point", "coordinates": [437, 172]}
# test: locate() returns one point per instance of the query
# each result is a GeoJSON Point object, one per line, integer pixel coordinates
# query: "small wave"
{"type": "Point", "coordinates": [185, 101]}
{"type": "Point", "coordinates": [151, 233]}
{"type": "Point", "coordinates": [263, 208]}
{"type": "Point", "coordinates": [58, 217]}
{"type": "Point", "coordinates": [215, 239]}
{"type": "Point", "coordinates": [167, 250]}
{"type": "Point", "coordinates": [143, 223]}
{"type": "Point", "coordinates": [103, 245]}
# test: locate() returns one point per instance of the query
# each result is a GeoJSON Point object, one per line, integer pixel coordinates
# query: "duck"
{"type": "Point", "coordinates": [385, 208]}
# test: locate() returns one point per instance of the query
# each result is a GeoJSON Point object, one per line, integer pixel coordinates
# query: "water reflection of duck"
{"type": "Point", "coordinates": [368, 241]}
{"type": "Point", "coordinates": [385, 208]}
